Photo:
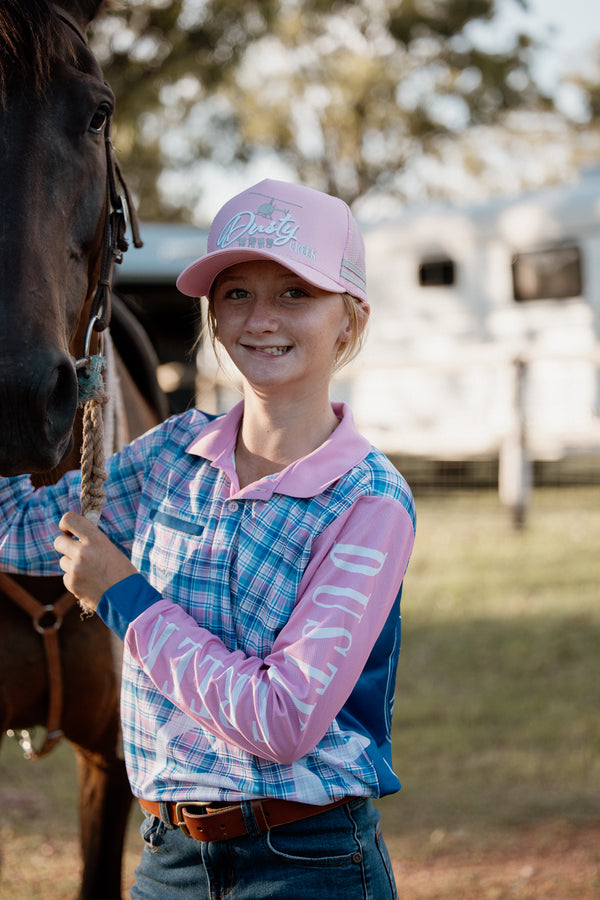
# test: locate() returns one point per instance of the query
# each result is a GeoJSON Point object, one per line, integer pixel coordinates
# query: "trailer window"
{"type": "Point", "coordinates": [552, 274]}
{"type": "Point", "coordinates": [436, 272]}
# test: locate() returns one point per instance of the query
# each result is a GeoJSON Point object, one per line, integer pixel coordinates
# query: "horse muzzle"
{"type": "Point", "coordinates": [38, 401]}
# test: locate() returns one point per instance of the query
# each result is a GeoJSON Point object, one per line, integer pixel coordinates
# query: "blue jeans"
{"type": "Point", "coordinates": [337, 855]}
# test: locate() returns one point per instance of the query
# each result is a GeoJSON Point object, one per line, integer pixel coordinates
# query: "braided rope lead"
{"type": "Point", "coordinates": [93, 474]}
{"type": "Point", "coordinates": [92, 397]}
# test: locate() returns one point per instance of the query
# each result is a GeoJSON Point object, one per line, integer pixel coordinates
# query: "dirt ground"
{"type": "Point", "coordinates": [546, 863]}
{"type": "Point", "coordinates": [551, 862]}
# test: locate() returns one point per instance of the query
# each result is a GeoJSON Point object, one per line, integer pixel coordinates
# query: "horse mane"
{"type": "Point", "coordinates": [31, 39]}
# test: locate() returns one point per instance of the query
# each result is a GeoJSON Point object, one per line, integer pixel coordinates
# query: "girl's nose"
{"type": "Point", "coordinates": [262, 315]}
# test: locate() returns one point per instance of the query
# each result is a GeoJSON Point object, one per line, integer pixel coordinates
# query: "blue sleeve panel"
{"type": "Point", "coordinates": [125, 601]}
{"type": "Point", "coordinates": [369, 707]}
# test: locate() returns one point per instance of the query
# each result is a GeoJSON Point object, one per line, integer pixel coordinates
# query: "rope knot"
{"type": "Point", "coordinates": [90, 378]}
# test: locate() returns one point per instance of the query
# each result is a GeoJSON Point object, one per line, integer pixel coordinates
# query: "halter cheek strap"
{"type": "Point", "coordinates": [114, 243]}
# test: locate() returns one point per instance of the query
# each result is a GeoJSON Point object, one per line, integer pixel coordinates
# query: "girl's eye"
{"type": "Point", "coordinates": [295, 293]}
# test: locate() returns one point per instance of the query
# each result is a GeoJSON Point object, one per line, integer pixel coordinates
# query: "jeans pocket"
{"type": "Point", "coordinates": [152, 831]}
{"type": "Point", "coordinates": [327, 840]}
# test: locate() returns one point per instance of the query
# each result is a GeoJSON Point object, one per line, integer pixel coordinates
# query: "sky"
{"type": "Point", "coordinates": [571, 30]}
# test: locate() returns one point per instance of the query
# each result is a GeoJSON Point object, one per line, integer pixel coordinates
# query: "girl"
{"type": "Point", "coordinates": [253, 571]}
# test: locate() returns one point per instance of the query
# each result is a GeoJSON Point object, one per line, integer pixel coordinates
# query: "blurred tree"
{"type": "Point", "coordinates": [347, 94]}
{"type": "Point", "coordinates": [587, 127]}
{"type": "Point", "coordinates": [166, 61]}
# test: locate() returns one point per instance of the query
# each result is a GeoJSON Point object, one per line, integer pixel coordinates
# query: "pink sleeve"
{"type": "Point", "coordinates": [279, 708]}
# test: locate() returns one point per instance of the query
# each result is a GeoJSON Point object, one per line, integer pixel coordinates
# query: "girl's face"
{"type": "Point", "coordinates": [280, 331]}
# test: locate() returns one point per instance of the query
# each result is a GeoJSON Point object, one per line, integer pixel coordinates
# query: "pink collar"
{"type": "Point", "coordinates": [306, 477]}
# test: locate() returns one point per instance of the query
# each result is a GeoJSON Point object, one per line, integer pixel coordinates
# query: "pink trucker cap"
{"type": "Point", "coordinates": [312, 233]}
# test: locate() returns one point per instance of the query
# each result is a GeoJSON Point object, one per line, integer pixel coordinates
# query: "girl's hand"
{"type": "Point", "coordinates": [91, 563]}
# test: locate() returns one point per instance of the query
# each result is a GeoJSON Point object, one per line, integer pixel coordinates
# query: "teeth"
{"type": "Point", "coordinates": [273, 351]}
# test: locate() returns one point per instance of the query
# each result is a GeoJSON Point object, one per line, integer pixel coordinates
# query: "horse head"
{"type": "Point", "coordinates": [55, 110]}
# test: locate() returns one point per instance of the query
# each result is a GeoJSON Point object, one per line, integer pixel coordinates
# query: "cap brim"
{"type": "Point", "coordinates": [197, 278]}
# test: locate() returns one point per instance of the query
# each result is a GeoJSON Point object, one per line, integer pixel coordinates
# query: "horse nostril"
{"type": "Point", "coordinates": [61, 401]}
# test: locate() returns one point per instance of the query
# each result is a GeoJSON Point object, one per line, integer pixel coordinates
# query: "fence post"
{"type": "Point", "coordinates": [514, 468]}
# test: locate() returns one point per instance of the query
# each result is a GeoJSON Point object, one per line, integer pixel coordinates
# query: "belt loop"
{"type": "Point", "coordinates": [254, 817]}
{"type": "Point", "coordinates": [165, 815]}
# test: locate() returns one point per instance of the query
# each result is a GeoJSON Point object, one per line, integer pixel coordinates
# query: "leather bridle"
{"type": "Point", "coordinates": [114, 242]}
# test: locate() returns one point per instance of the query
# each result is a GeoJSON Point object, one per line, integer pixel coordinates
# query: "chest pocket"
{"type": "Point", "coordinates": [175, 554]}
{"type": "Point", "coordinates": [174, 523]}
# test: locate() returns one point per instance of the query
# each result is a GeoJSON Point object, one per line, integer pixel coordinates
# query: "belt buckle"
{"type": "Point", "coordinates": [180, 808]}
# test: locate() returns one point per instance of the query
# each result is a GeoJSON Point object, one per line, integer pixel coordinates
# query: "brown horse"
{"type": "Point", "coordinates": [60, 229]}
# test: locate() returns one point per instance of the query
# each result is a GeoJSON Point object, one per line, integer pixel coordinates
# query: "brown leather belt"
{"type": "Point", "coordinates": [219, 822]}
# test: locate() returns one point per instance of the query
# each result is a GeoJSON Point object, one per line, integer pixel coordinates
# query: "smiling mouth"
{"type": "Point", "coordinates": [270, 351]}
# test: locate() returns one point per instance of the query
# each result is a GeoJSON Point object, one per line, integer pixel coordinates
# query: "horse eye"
{"type": "Point", "coordinates": [99, 120]}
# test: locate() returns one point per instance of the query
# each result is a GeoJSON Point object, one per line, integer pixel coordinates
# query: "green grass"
{"type": "Point", "coordinates": [496, 718]}
{"type": "Point", "coordinates": [496, 723]}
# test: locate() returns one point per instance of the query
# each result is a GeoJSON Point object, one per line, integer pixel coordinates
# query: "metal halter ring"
{"type": "Point", "coordinates": [47, 611]}
{"type": "Point", "coordinates": [84, 360]}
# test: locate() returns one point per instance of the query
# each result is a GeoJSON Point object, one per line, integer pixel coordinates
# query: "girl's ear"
{"type": "Point", "coordinates": [365, 310]}
{"type": "Point", "coordinates": [346, 331]}
{"type": "Point", "coordinates": [356, 323]}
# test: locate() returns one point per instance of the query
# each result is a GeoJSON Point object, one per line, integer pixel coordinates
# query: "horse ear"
{"type": "Point", "coordinates": [83, 11]}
